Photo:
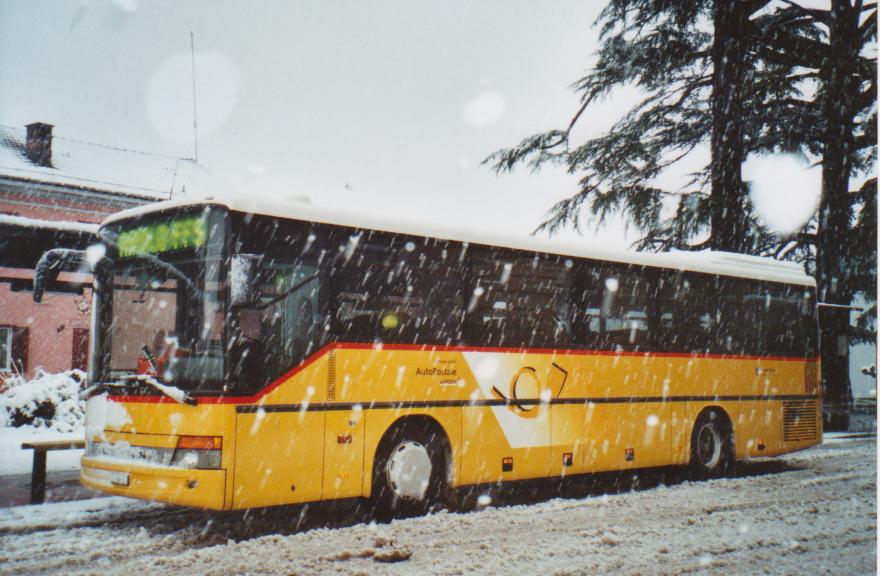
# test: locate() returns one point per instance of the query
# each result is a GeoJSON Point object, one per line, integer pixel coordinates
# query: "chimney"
{"type": "Point", "coordinates": [39, 144]}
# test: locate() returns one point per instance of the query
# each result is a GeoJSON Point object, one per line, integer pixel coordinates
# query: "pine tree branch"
{"type": "Point", "coordinates": [784, 58]}
{"type": "Point", "coordinates": [861, 335]}
{"type": "Point", "coordinates": [794, 78]}
{"type": "Point", "coordinates": [868, 96]}
{"type": "Point", "coordinates": [869, 187]}
{"type": "Point", "coordinates": [863, 141]}
{"type": "Point", "coordinates": [749, 7]}
{"type": "Point", "coordinates": [797, 102]}
{"type": "Point", "coordinates": [807, 238]}
{"type": "Point", "coordinates": [823, 16]}
{"type": "Point", "coordinates": [537, 147]}
{"type": "Point", "coordinates": [791, 20]}
{"type": "Point", "coordinates": [808, 52]}
{"type": "Point", "coordinates": [576, 117]}
{"type": "Point", "coordinates": [868, 28]}
{"type": "Point", "coordinates": [784, 249]}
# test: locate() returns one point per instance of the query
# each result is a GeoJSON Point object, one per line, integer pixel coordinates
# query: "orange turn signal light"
{"type": "Point", "coordinates": [200, 442]}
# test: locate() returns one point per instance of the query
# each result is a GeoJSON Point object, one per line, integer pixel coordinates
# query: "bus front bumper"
{"type": "Point", "coordinates": [181, 486]}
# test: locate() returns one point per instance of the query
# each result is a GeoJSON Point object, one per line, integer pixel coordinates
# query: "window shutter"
{"type": "Point", "coordinates": [20, 341]}
{"type": "Point", "coordinates": [80, 355]}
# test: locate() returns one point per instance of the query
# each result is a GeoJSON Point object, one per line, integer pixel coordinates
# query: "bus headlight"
{"type": "Point", "coordinates": [197, 452]}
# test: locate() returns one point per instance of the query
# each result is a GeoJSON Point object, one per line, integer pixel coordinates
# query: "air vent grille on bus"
{"type": "Point", "coordinates": [799, 420]}
{"type": "Point", "coordinates": [331, 376]}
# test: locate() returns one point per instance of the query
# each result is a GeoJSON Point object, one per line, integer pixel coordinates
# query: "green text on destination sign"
{"type": "Point", "coordinates": [163, 237]}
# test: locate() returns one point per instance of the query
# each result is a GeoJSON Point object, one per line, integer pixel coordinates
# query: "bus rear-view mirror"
{"type": "Point", "coordinates": [51, 264]}
{"type": "Point", "coordinates": [243, 279]}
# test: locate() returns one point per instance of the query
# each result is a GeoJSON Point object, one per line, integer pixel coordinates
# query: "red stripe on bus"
{"type": "Point", "coordinates": [563, 352]}
{"type": "Point", "coordinates": [436, 348]}
{"type": "Point", "coordinates": [235, 399]}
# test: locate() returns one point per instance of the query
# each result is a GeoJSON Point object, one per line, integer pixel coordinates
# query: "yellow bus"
{"type": "Point", "coordinates": [249, 354]}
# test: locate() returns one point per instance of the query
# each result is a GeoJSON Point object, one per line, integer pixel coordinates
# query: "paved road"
{"type": "Point", "coordinates": [808, 512]}
{"type": "Point", "coordinates": [64, 486]}
{"type": "Point", "coordinates": [15, 490]}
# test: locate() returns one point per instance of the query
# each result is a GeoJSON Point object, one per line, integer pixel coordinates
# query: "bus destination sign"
{"type": "Point", "coordinates": [177, 234]}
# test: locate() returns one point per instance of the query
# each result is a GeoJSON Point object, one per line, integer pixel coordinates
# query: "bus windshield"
{"type": "Point", "coordinates": [162, 309]}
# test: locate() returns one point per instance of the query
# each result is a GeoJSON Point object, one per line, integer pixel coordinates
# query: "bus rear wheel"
{"type": "Point", "coordinates": [409, 474]}
{"type": "Point", "coordinates": [711, 446]}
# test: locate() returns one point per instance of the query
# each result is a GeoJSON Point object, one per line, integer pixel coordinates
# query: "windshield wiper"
{"type": "Point", "coordinates": [285, 294]}
{"type": "Point", "coordinates": [125, 382]}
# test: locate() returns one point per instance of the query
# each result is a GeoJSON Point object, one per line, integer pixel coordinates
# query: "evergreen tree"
{"type": "Point", "coordinates": [848, 90]}
{"type": "Point", "coordinates": [828, 45]}
{"type": "Point", "coordinates": [665, 49]}
{"type": "Point", "coordinates": [728, 195]}
{"type": "Point", "coordinates": [755, 79]}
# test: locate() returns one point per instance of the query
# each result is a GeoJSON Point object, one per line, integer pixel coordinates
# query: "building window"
{"type": "Point", "coordinates": [5, 348]}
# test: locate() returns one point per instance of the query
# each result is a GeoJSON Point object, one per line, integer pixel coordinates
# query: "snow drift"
{"type": "Point", "coordinates": [49, 401]}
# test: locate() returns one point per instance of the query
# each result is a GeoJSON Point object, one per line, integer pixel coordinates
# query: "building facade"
{"type": "Point", "coordinates": [53, 193]}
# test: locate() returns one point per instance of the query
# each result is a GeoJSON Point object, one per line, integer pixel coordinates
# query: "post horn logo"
{"type": "Point", "coordinates": [527, 393]}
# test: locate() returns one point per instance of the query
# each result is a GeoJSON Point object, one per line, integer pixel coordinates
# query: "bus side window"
{"type": "Point", "coordinates": [586, 303]}
{"type": "Point", "coordinates": [295, 286]}
{"type": "Point", "coordinates": [689, 313]}
{"type": "Point", "coordinates": [545, 313]}
{"type": "Point", "coordinates": [562, 309]}
{"type": "Point", "coordinates": [753, 318]}
{"type": "Point", "coordinates": [807, 323]}
{"type": "Point", "coordinates": [664, 314]}
{"type": "Point", "coordinates": [706, 316]}
{"type": "Point", "coordinates": [624, 311]}
{"type": "Point", "coordinates": [588, 318]}
{"type": "Point", "coordinates": [785, 333]}
{"type": "Point", "coordinates": [737, 326]}
{"type": "Point", "coordinates": [283, 326]}
{"type": "Point", "coordinates": [519, 300]}
{"type": "Point", "coordinates": [493, 304]}
{"type": "Point", "coordinates": [395, 288]}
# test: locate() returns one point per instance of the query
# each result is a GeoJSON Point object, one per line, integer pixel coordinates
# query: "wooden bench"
{"type": "Point", "coordinates": [38, 473]}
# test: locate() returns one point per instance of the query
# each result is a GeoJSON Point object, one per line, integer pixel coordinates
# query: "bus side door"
{"type": "Point", "coordinates": [506, 431]}
{"type": "Point", "coordinates": [278, 457]}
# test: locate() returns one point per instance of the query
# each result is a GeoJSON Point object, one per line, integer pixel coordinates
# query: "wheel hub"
{"type": "Point", "coordinates": [709, 446]}
{"type": "Point", "coordinates": [409, 470]}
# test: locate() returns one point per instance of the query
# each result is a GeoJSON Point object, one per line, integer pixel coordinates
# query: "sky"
{"type": "Point", "coordinates": [385, 107]}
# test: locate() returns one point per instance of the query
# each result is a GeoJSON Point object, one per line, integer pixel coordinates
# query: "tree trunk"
{"type": "Point", "coordinates": [835, 213]}
{"type": "Point", "coordinates": [727, 201]}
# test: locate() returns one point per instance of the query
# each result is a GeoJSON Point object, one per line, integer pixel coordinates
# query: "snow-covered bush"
{"type": "Point", "coordinates": [48, 401]}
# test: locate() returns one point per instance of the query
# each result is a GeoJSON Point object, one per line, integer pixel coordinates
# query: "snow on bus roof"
{"type": "Point", "coordinates": [723, 263]}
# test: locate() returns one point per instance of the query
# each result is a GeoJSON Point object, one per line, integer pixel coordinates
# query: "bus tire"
{"type": "Point", "coordinates": [712, 452]}
{"type": "Point", "coordinates": [410, 472]}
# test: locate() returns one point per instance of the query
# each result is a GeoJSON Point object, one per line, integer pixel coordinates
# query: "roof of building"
{"type": "Point", "coordinates": [41, 224]}
{"type": "Point", "coordinates": [725, 263]}
{"type": "Point", "coordinates": [23, 240]}
{"type": "Point", "coordinates": [85, 165]}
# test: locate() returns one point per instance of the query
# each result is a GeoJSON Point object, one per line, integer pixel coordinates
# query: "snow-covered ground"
{"type": "Point", "coordinates": [810, 512]}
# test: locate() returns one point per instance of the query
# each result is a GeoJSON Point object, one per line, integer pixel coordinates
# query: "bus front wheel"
{"type": "Point", "coordinates": [409, 474]}
{"type": "Point", "coordinates": [711, 445]}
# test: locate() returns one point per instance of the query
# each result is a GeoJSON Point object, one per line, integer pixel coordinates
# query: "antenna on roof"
{"type": "Point", "coordinates": [192, 52]}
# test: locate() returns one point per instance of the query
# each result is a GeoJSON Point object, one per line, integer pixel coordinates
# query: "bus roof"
{"type": "Point", "coordinates": [710, 262]}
